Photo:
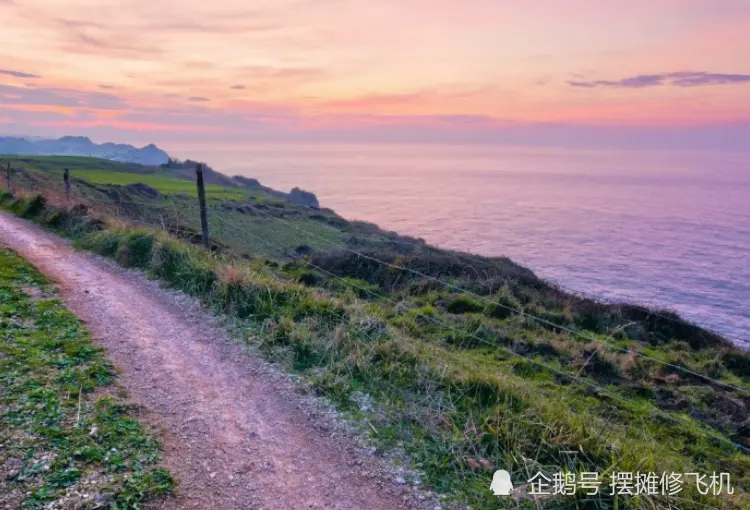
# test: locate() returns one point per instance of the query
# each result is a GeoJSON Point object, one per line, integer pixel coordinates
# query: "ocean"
{"type": "Point", "coordinates": [662, 228]}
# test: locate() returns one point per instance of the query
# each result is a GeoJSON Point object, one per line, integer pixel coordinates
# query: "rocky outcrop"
{"type": "Point", "coordinates": [303, 197]}
{"type": "Point", "coordinates": [297, 195]}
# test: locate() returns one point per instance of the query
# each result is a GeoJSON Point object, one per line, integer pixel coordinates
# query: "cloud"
{"type": "Point", "coordinates": [678, 79]}
{"type": "Point", "coordinates": [198, 99]}
{"type": "Point", "coordinates": [271, 76]}
{"type": "Point", "coordinates": [141, 32]}
{"type": "Point", "coordinates": [237, 87]}
{"type": "Point", "coordinates": [60, 97]}
{"type": "Point", "coordinates": [126, 125]}
{"type": "Point", "coordinates": [106, 87]}
{"type": "Point", "coordinates": [403, 101]}
{"type": "Point", "coordinates": [18, 74]}
{"type": "Point", "coordinates": [124, 46]}
{"type": "Point", "coordinates": [283, 72]}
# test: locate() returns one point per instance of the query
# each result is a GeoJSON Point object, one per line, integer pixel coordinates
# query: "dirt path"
{"type": "Point", "coordinates": [236, 434]}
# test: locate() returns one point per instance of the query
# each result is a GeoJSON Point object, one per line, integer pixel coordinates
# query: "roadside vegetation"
{"type": "Point", "coordinates": [66, 438]}
{"type": "Point", "coordinates": [466, 363]}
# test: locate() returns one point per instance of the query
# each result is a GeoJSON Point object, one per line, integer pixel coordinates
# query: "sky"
{"type": "Point", "coordinates": [640, 72]}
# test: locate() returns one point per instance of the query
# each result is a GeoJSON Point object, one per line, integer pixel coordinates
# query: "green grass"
{"type": "Point", "coordinates": [59, 444]}
{"type": "Point", "coordinates": [99, 171]}
{"type": "Point", "coordinates": [451, 407]}
{"type": "Point", "coordinates": [461, 384]}
{"type": "Point", "coordinates": [58, 163]}
{"type": "Point", "coordinates": [262, 235]}
{"type": "Point", "coordinates": [163, 184]}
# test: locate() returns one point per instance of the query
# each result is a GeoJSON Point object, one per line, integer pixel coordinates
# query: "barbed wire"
{"type": "Point", "coordinates": [507, 349]}
{"type": "Point", "coordinates": [576, 378]}
{"type": "Point", "coordinates": [509, 308]}
{"type": "Point", "coordinates": [455, 287]}
{"type": "Point", "coordinates": [479, 259]}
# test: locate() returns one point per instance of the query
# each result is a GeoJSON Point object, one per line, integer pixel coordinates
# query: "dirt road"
{"type": "Point", "coordinates": [237, 435]}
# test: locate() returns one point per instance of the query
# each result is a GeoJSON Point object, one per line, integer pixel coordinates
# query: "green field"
{"type": "Point", "coordinates": [60, 445]}
{"type": "Point", "coordinates": [466, 363]}
{"type": "Point", "coordinates": [98, 171]}
{"type": "Point", "coordinates": [163, 184]}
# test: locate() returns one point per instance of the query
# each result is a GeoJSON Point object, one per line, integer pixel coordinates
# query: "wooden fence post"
{"type": "Point", "coordinates": [202, 202]}
{"type": "Point", "coordinates": [66, 176]}
{"type": "Point", "coordinates": [7, 177]}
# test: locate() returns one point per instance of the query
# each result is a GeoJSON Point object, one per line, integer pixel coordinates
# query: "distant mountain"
{"type": "Point", "coordinates": [83, 146]}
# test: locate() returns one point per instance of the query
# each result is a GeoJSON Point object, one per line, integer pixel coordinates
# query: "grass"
{"type": "Point", "coordinates": [462, 383]}
{"type": "Point", "coordinates": [66, 439]}
{"type": "Point", "coordinates": [163, 184]}
{"type": "Point", "coordinates": [98, 171]}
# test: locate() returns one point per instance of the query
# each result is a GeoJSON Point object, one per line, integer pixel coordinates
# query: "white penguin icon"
{"type": "Point", "coordinates": [501, 484]}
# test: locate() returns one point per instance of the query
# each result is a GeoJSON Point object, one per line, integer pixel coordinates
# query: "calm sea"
{"type": "Point", "coordinates": [659, 228]}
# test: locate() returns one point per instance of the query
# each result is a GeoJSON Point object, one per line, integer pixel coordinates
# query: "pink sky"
{"type": "Point", "coordinates": [151, 70]}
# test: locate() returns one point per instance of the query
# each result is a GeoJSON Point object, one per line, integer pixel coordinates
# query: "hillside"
{"type": "Point", "coordinates": [467, 363]}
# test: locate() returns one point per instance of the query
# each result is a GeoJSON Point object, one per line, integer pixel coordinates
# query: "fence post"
{"type": "Point", "coordinates": [7, 176]}
{"type": "Point", "coordinates": [66, 176]}
{"type": "Point", "coordinates": [202, 202]}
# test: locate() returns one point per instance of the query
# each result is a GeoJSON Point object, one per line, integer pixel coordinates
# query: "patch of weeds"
{"type": "Point", "coordinates": [55, 435]}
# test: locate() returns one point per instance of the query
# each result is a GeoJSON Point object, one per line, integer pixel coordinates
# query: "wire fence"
{"type": "Point", "coordinates": [176, 220]}
{"type": "Point", "coordinates": [653, 307]}
{"type": "Point", "coordinates": [484, 341]}
{"type": "Point", "coordinates": [178, 216]}
{"type": "Point", "coordinates": [142, 209]}
{"type": "Point", "coordinates": [518, 311]}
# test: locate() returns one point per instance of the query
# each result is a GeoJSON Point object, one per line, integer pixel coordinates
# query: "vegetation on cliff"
{"type": "Point", "coordinates": [467, 363]}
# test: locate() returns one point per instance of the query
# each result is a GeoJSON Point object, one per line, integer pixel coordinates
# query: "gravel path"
{"type": "Point", "coordinates": [237, 433]}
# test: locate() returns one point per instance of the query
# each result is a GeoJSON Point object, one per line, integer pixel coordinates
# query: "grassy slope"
{"type": "Point", "coordinates": [461, 384]}
{"type": "Point", "coordinates": [58, 443]}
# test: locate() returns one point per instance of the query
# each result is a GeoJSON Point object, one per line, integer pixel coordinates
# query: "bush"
{"type": "Point", "coordinates": [103, 243]}
{"type": "Point", "coordinates": [308, 278]}
{"type": "Point", "coordinates": [135, 249]}
{"type": "Point", "coordinates": [738, 363]}
{"type": "Point", "coordinates": [503, 305]}
{"type": "Point", "coordinates": [183, 267]}
{"type": "Point", "coordinates": [464, 304]}
{"type": "Point", "coordinates": [31, 208]}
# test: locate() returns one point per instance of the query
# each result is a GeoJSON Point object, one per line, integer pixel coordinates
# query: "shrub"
{"type": "Point", "coordinates": [31, 208]}
{"type": "Point", "coordinates": [738, 363]}
{"type": "Point", "coordinates": [503, 305]}
{"type": "Point", "coordinates": [464, 304]}
{"type": "Point", "coordinates": [104, 243]}
{"type": "Point", "coordinates": [183, 267]}
{"type": "Point", "coordinates": [135, 249]}
{"type": "Point", "coordinates": [308, 278]}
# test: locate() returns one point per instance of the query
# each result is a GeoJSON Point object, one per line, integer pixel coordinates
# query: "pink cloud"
{"type": "Point", "coordinates": [126, 125]}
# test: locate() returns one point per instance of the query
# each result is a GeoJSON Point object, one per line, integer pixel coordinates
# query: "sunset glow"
{"type": "Point", "coordinates": [243, 69]}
